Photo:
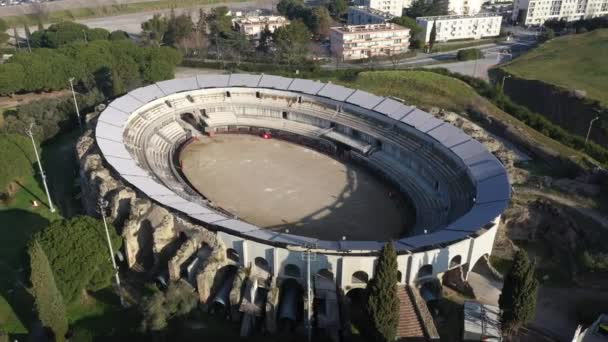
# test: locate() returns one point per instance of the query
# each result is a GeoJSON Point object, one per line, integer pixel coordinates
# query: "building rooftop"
{"type": "Point", "coordinates": [452, 17]}
{"type": "Point", "coordinates": [369, 28]}
{"type": "Point", "coordinates": [373, 11]}
{"type": "Point", "coordinates": [260, 19]}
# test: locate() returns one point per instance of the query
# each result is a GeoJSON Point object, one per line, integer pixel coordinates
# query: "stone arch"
{"type": "Point", "coordinates": [291, 270]}
{"type": "Point", "coordinates": [478, 264]}
{"type": "Point", "coordinates": [360, 277]}
{"type": "Point", "coordinates": [455, 261]}
{"type": "Point", "coordinates": [325, 273]}
{"type": "Point", "coordinates": [262, 264]}
{"type": "Point", "coordinates": [233, 255]}
{"type": "Point", "coordinates": [425, 271]}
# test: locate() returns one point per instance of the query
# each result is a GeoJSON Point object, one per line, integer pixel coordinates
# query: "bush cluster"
{"type": "Point", "coordinates": [18, 154]}
{"type": "Point", "coordinates": [469, 54]}
{"type": "Point", "coordinates": [578, 26]}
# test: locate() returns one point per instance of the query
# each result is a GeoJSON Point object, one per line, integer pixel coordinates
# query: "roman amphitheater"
{"type": "Point", "coordinates": [199, 194]}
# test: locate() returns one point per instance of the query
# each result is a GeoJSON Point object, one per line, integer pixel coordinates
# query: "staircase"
{"type": "Point", "coordinates": [409, 328]}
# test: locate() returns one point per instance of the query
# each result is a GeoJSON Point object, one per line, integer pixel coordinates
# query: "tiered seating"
{"type": "Point", "coordinates": [220, 119]}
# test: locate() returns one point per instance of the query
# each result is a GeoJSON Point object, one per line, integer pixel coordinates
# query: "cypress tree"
{"type": "Point", "coordinates": [47, 298]}
{"type": "Point", "coordinates": [518, 298]}
{"type": "Point", "coordinates": [383, 302]}
{"type": "Point", "coordinates": [433, 36]}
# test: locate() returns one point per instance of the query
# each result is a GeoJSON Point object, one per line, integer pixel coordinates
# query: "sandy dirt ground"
{"type": "Point", "coordinates": [279, 185]}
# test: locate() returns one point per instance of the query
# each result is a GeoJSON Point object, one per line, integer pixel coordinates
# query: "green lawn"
{"type": "Point", "coordinates": [426, 89]}
{"type": "Point", "coordinates": [572, 62]}
{"type": "Point", "coordinates": [111, 10]}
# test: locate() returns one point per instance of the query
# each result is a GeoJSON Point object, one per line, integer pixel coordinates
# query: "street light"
{"type": "Point", "coordinates": [502, 87]}
{"type": "Point", "coordinates": [102, 209]}
{"type": "Point", "coordinates": [75, 103]}
{"type": "Point", "coordinates": [589, 130]}
{"type": "Point", "coordinates": [42, 174]}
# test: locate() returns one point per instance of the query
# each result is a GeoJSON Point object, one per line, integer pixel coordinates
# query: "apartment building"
{"type": "Point", "coordinates": [393, 7]}
{"type": "Point", "coordinates": [254, 25]}
{"type": "Point", "coordinates": [364, 41]}
{"type": "Point", "coordinates": [453, 27]}
{"type": "Point", "coordinates": [536, 12]}
{"type": "Point", "coordinates": [465, 7]}
{"type": "Point", "coordinates": [361, 15]}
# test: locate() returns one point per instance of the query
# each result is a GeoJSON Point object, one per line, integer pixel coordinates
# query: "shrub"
{"type": "Point", "coordinates": [383, 302]}
{"type": "Point", "coordinates": [18, 155]}
{"type": "Point", "coordinates": [518, 297]}
{"type": "Point", "coordinates": [469, 54]}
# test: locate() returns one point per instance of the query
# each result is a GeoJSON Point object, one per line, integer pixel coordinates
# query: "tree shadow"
{"type": "Point", "coordinates": [17, 228]}
{"type": "Point", "coordinates": [31, 193]}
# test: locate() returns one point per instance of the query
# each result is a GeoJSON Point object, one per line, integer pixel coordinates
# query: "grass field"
{"type": "Point", "coordinates": [110, 10]}
{"type": "Point", "coordinates": [426, 89]}
{"type": "Point", "coordinates": [572, 62]}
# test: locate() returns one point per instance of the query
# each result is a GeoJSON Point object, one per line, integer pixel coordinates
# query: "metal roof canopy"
{"type": "Point", "coordinates": [305, 86]}
{"type": "Point", "coordinates": [147, 93]}
{"type": "Point", "coordinates": [438, 237]}
{"type": "Point", "coordinates": [244, 80]}
{"type": "Point", "coordinates": [212, 81]}
{"type": "Point", "coordinates": [335, 92]}
{"type": "Point", "coordinates": [275, 82]}
{"type": "Point", "coordinates": [393, 109]}
{"type": "Point", "coordinates": [178, 85]}
{"type": "Point", "coordinates": [126, 103]}
{"type": "Point", "coordinates": [364, 99]}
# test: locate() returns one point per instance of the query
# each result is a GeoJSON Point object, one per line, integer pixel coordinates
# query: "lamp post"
{"type": "Point", "coordinates": [75, 103]}
{"type": "Point", "coordinates": [502, 87]}
{"type": "Point", "coordinates": [309, 256]}
{"type": "Point", "coordinates": [42, 174]}
{"type": "Point", "coordinates": [102, 209]}
{"type": "Point", "coordinates": [589, 130]}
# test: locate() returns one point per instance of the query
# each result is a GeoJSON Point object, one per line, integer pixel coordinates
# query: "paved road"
{"type": "Point", "coordinates": [54, 6]}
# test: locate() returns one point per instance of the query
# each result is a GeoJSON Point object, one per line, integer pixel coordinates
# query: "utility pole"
{"type": "Point", "coordinates": [589, 130]}
{"type": "Point", "coordinates": [502, 87]}
{"type": "Point", "coordinates": [42, 174]}
{"type": "Point", "coordinates": [102, 209]}
{"type": "Point", "coordinates": [75, 103]}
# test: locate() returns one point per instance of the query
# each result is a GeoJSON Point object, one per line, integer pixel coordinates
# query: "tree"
{"type": "Point", "coordinates": [337, 7]}
{"type": "Point", "coordinates": [423, 8]}
{"type": "Point", "coordinates": [47, 298]}
{"type": "Point", "coordinates": [4, 37]}
{"type": "Point", "coordinates": [119, 35]}
{"type": "Point", "coordinates": [160, 308]}
{"type": "Point", "coordinates": [546, 35]}
{"type": "Point", "coordinates": [415, 29]}
{"type": "Point", "coordinates": [518, 298]}
{"type": "Point", "coordinates": [79, 266]}
{"type": "Point", "coordinates": [321, 22]}
{"type": "Point", "coordinates": [155, 28]}
{"type": "Point", "coordinates": [383, 302]}
{"type": "Point", "coordinates": [220, 23]}
{"type": "Point", "coordinates": [292, 43]}
{"type": "Point", "coordinates": [433, 36]}
{"type": "Point", "coordinates": [469, 54]}
{"type": "Point", "coordinates": [265, 42]}
{"type": "Point", "coordinates": [11, 78]}
{"type": "Point", "coordinates": [178, 29]}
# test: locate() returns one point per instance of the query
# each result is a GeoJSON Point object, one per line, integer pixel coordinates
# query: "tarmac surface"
{"type": "Point", "coordinates": [282, 186]}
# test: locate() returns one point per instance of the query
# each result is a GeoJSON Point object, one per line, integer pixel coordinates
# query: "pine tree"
{"type": "Point", "coordinates": [47, 298]}
{"type": "Point", "coordinates": [518, 298]}
{"type": "Point", "coordinates": [383, 302]}
{"type": "Point", "coordinates": [433, 36]}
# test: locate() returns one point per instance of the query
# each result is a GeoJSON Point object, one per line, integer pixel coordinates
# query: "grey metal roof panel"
{"type": "Point", "coordinates": [237, 225]}
{"type": "Point", "coordinates": [492, 189]}
{"type": "Point", "coordinates": [469, 149]}
{"type": "Point", "coordinates": [448, 135]}
{"type": "Point", "coordinates": [170, 199]}
{"type": "Point", "coordinates": [294, 239]}
{"type": "Point", "coordinates": [349, 245]}
{"type": "Point", "coordinates": [478, 216]}
{"type": "Point", "coordinates": [113, 148]}
{"type": "Point", "coordinates": [126, 103]}
{"type": "Point", "coordinates": [113, 116]}
{"type": "Point", "coordinates": [211, 217]}
{"type": "Point", "coordinates": [435, 238]}
{"type": "Point", "coordinates": [306, 86]}
{"type": "Point", "coordinates": [149, 186]}
{"type": "Point", "coordinates": [244, 80]}
{"type": "Point", "coordinates": [275, 82]}
{"type": "Point", "coordinates": [126, 167]}
{"type": "Point", "coordinates": [486, 168]}
{"type": "Point", "coordinates": [147, 93]}
{"type": "Point", "coordinates": [335, 92]}
{"type": "Point", "coordinates": [178, 85]}
{"type": "Point", "coordinates": [190, 208]}
{"type": "Point", "coordinates": [328, 245]}
{"type": "Point", "coordinates": [212, 81]}
{"type": "Point", "coordinates": [261, 234]}
{"type": "Point", "coordinates": [429, 124]}
{"type": "Point", "coordinates": [364, 99]}
{"type": "Point", "coordinates": [416, 117]}
{"type": "Point", "coordinates": [392, 108]}
{"type": "Point", "coordinates": [108, 131]}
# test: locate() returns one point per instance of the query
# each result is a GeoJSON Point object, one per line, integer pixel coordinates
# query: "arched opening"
{"type": "Point", "coordinates": [360, 277]}
{"type": "Point", "coordinates": [357, 303]}
{"type": "Point", "coordinates": [399, 277]}
{"type": "Point", "coordinates": [456, 261]}
{"type": "Point", "coordinates": [189, 118]}
{"type": "Point", "coordinates": [325, 273]}
{"type": "Point", "coordinates": [291, 270]}
{"type": "Point", "coordinates": [291, 305]}
{"type": "Point", "coordinates": [222, 285]}
{"type": "Point", "coordinates": [425, 271]}
{"type": "Point", "coordinates": [233, 255]}
{"type": "Point", "coordinates": [262, 264]}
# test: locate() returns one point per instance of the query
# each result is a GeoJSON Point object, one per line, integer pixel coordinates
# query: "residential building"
{"type": "Point", "coordinates": [453, 27]}
{"type": "Point", "coordinates": [253, 26]}
{"type": "Point", "coordinates": [536, 12]}
{"type": "Point", "coordinates": [465, 7]}
{"type": "Point", "coordinates": [394, 7]}
{"type": "Point", "coordinates": [361, 15]}
{"type": "Point", "coordinates": [364, 41]}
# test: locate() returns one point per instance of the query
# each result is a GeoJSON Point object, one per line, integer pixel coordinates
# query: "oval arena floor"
{"type": "Point", "coordinates": [279, 185]}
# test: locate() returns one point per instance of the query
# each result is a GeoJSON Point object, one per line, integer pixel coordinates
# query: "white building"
{"type": "Point", "coordinates": [364, 41]}
{"type": "Point", "coordinates": [465, 7]}
{"type": "Point", "coordinates": [253, 26]}
{"type": "Point", "coordinates": [452, 27]}
{"type": "Point", "coordinates": [536, 12]}
{"type": "Point", "coordinates": [361, 15]}
{"type": "Point", "coordinates": [394, 7]}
